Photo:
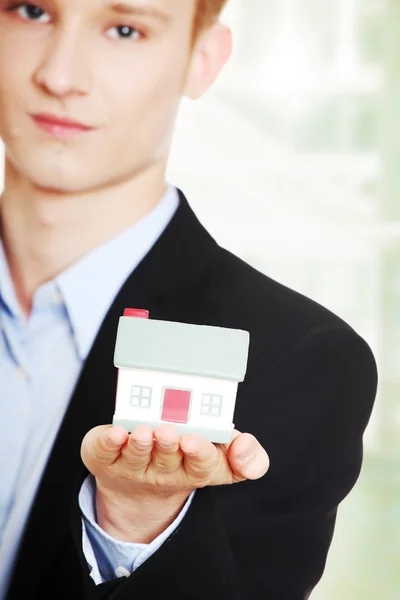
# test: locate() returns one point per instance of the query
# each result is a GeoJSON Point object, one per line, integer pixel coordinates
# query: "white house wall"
{"type": "Point", "coordinates": [158, 380]}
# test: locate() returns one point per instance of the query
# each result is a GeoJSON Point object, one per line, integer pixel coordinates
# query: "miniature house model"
{"type": "Point", "coordinates": [178, 373]}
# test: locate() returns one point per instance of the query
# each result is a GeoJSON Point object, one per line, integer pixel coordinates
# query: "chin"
{"type": "Point", "coordinates": [54, 176]}
{"type": "Point", "coordinates": [65, 184]}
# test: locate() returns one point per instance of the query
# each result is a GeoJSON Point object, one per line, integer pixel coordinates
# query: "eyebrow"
{"type": "Point", "coordinates": [127, 7]}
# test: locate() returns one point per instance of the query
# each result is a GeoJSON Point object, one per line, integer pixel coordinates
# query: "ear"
{"type": "Point", "coordinates": [210, 54]}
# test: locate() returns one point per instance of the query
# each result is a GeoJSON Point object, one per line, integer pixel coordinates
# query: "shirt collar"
{"type": "Point", "coordinates": [89, 287]}
{"type": "Point", "coordinates": [7, 290]}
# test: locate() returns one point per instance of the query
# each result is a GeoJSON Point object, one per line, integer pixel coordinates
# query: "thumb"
{"type": "Point", "coordinates": [247, 458]}
{"type": "Point", "coordinates": [102, 445]}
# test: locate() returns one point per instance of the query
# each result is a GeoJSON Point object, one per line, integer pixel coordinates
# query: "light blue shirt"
{"type": "Point", "coordinates": [40, 361]}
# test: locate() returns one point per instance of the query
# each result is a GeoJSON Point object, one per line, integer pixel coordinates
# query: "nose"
{"type": "Point", "coordinates": [63, 71]}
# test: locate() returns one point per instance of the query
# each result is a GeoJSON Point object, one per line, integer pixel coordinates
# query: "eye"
{"type": "Point", "coordinates": [124, 32]}
{"type": "Point", "coordinates": [30, 12]}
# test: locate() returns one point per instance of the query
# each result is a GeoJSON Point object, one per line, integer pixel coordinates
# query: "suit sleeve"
{"type": "Point", "coordinates": [269, 539]}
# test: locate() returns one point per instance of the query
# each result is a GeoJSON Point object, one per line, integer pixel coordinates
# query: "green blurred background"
{"type": "Point", "coordinates": [293, 162]}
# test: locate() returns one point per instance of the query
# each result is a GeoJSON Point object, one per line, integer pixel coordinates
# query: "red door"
{"type": "Point", "coordinates": [176, 406]}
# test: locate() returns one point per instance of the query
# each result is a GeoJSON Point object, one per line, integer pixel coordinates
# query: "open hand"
{"type": "Point", "coordinates": [161, 462]}
{"type": "Point", "coordinates": [157, 470]}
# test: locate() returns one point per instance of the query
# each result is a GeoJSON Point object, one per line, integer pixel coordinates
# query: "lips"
{"type": "Point", "coordinates": [60, 127]}
{"type": "Point", "coordinates": [48, 119]}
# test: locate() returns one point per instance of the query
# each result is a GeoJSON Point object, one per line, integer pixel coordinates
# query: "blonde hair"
{"type": "Point", "coordinates": [207, 12]}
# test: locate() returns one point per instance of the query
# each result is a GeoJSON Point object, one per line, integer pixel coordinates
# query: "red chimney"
{"type": "Point", "coordinates": [139, 313]}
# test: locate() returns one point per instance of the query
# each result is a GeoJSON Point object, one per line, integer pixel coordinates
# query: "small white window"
{"type": "Point", "coordinates": [211, 404]}
{"type": "Point", "coordinates": [141, 396]}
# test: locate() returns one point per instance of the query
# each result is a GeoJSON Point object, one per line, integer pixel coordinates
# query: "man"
{"type": "Point", "coordinates": [89, 90]}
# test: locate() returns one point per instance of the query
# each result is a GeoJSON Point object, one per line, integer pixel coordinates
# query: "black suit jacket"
{"type": "Point", "coordinates": [307, 397]}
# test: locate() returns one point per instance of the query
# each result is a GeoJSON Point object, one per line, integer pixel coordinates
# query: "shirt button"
{"type": "Point", "coordinates": [122, 572]}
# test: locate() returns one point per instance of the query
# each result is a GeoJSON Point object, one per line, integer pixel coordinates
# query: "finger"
{"type": "Point", "coordinates": [167, 455]}
{"type": "Point", "coordinates": [235, 434]}
{"type": "Point", "coordinates": [137, 451]}
{"type": "Point", "coordinates": [201, 459]}
{"type": "Point", "coordinates": [102, 445]}
{"type": "Point", "coordinates": [247, 457]}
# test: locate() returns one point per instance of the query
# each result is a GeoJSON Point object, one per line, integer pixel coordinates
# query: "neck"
{"type": "Point", "coordinates": [44, 232]}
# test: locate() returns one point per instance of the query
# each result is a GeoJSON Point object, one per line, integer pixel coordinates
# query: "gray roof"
{"type": "Point", "coordinates": [181, 348]}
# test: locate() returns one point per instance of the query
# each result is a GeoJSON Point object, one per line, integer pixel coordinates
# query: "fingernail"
{"type": "Point", "coordinates": [142, 444]}
{"type": "Point", "coordinates": [246, 456]}
{"type": "Point", "coordinates": [164, 444]}
{"type": "Point", "coordinates": [113, 442]}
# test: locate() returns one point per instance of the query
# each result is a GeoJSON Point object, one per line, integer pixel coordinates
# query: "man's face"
{"type": "Point", "coordinates": [118, 68]}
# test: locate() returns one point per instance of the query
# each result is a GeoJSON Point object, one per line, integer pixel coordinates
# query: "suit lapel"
{"type": "Point", "coordinates": [164, 283]}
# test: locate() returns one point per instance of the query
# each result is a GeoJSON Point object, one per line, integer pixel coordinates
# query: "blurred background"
{"type": "Point", "coordinates": [293, 163]}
